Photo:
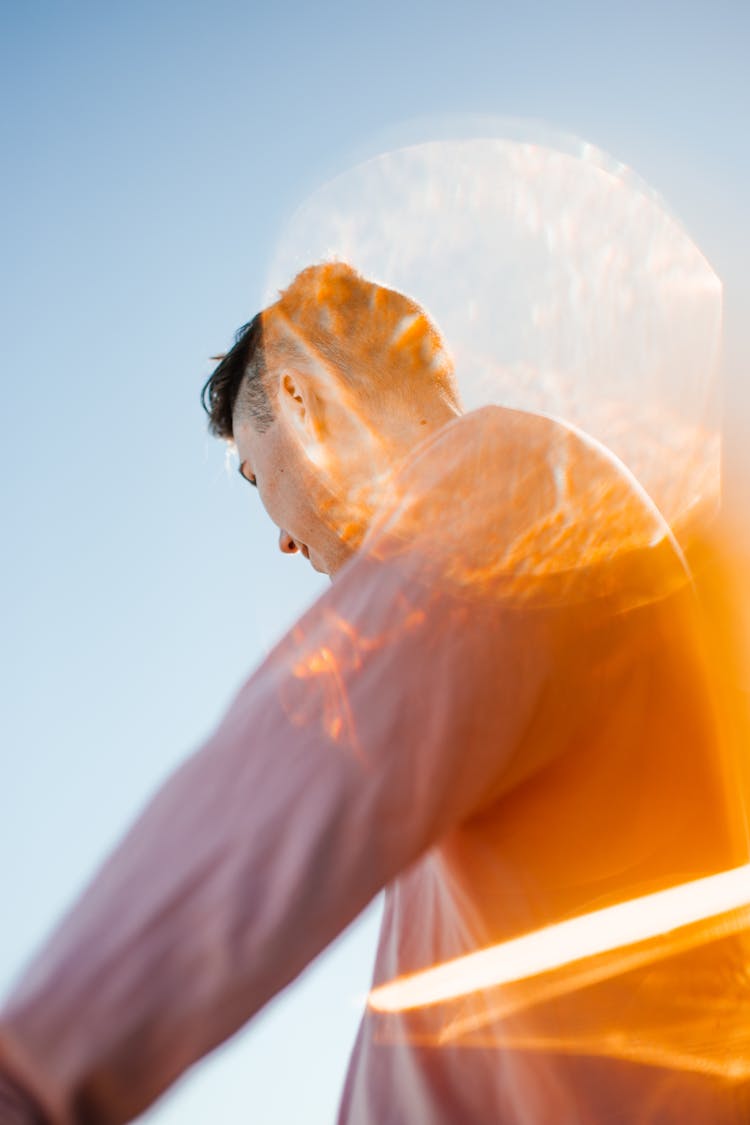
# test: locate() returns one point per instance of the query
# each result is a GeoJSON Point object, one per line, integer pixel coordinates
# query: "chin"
{"type": "Point", "coordinates": [327, 566]}
{"type": "Point", "coordinates": [334, 556]}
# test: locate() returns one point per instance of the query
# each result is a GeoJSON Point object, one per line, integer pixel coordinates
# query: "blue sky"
{"type": "Point", "coordinates": [153, 152]}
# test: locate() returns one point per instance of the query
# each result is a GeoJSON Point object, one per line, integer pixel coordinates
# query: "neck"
{"type": "Point", "coordinates": [391, 442]}
{"type": "Point", "coordinates": [400, 436]}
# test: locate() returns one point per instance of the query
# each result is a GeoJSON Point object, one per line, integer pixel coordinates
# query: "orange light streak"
{"type": "Point", "coordinates": [567, 942]}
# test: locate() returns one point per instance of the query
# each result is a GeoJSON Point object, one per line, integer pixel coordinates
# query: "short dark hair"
{"type": "Point", "coordinates": [240, 373]}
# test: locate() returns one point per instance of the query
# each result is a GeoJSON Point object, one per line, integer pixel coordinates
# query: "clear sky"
{"type": "Point", "coordinates": [153, 152]}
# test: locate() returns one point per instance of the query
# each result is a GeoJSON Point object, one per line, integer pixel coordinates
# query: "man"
{"type": "Point", "coordinates": [324, 395]}
{"type": "Point", "coordinates": [501, 711]}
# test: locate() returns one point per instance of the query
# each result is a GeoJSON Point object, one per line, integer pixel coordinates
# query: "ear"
{"type": "Point", "coordinates": [300, 404]}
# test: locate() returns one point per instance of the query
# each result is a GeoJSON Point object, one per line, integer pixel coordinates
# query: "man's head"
{"type": "Point", "coordinates": [323, 393]}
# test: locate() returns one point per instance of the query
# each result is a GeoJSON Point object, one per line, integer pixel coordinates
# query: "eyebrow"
{"type": "Point", "coordinates": [249, 481]}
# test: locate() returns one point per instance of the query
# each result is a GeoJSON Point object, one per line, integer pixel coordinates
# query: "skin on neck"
{"type": "Point", "coordinates": [369, 450]}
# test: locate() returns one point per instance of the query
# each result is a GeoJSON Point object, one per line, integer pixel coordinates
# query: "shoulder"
{"type": "Point", "coordinates": [529, 505]}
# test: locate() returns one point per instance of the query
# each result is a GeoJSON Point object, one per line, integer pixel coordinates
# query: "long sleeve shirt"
{"type": "Point", "coordinates": [502, 712]}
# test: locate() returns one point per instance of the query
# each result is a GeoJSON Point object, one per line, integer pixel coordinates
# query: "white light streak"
{"type": "Point", "coordinates": [566, 942]}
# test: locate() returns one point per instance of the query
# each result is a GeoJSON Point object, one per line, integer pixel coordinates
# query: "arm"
{"type": "Point", "coordinates": [16, 1108]}
{"type": "Point", "coordinates": [359, 742]}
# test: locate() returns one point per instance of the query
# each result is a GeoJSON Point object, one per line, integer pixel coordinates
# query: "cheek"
{"type": "Point", "coordinates": [273, 503]}
{"type": "Point", "coordinates": [281, 500]}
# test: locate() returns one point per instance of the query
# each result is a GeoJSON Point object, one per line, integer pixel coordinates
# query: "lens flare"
{"type": "Point", "coordinates": [559, 281]}
{"type": "Point", "coordinates": [574, 940]}
{"type": "Point", "coordinates": [568, 579]}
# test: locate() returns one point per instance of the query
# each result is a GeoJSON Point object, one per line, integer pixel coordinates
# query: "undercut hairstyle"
{"type": "Point", "coordinates": [375, 341]}
{"type": "Point", "coordinates": [242, 369]}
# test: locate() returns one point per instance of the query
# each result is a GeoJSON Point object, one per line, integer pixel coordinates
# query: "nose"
{"type": "Point", "coordinates": [287, 546]}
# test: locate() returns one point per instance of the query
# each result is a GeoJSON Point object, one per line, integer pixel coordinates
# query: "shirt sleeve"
{"type": "Point", "coordinates": [361, 740]}
{"type": "Point", "coordinates": [16, 1108]}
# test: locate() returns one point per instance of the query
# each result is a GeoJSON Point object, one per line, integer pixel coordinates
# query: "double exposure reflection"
{"type": "Point", "coordinates": [520, 708]}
